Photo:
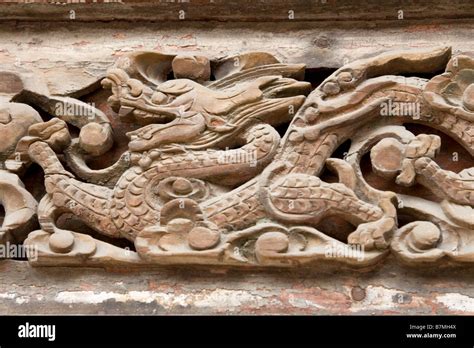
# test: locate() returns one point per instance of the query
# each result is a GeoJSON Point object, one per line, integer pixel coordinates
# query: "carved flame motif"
{"type": "Point", "coordinates": [206, 178]}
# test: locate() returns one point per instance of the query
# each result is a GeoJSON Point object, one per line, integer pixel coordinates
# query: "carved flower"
{"type": "Point", "coordinates": [453, 91]}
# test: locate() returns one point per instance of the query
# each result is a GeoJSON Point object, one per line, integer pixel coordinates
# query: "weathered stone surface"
{"type": "Point", "coordinates": [75, 56]}
{"type": "Point", "coordinates": [389, 290]}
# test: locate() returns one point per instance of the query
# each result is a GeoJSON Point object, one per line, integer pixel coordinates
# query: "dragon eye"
{"type": "Point", "coordinates": [158, 98]}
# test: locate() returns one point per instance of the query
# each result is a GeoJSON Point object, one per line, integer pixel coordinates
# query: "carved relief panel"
{"type": "Point", "coordinates": [237, 161]}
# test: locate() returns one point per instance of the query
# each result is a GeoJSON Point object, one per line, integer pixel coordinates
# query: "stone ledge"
{"type": "Point", "coordinates": [221, 10]}
{"type": "Point", "coordinates": [390, 289]}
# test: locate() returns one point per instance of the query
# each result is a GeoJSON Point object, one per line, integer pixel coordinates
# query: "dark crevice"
{"type": "Point", "coordinates": [336, 227]}
{"type": "Point", "coordinates": [343, 149]}
{"type": "Point", "coordinates": [33, 179]}
{"type": "Point", "coordinates": [404, 219]}
{"type": "Point", "coordinates": [2, 214]}
{"type": "Point", "coordinates": [317, 75]}
{"type": "Point", "coordinates": [170, 76]}
{"type": "Point", "coordinates": [341, 152]}
{"type": "Point", "coordinates": [427, 76]}
{"type": "Point", "coordinates": [314, 76]}
{"type": "Point", "coordinates": [282, 128]}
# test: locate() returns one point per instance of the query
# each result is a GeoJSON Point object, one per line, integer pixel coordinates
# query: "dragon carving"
{"type": "Point", "coordinates": [207, 178]}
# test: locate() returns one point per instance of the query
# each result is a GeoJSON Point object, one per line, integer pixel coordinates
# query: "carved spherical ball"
{"type": "Point", "coordinates": [468, 97]}
{"type": "Point", "coordinates": [61, 242]}
{"type": "Point", "coordinates": [179, 225]}
{"type": "Point", "coordinates": [182, 186]}
{"type": "Point", "coordinates": [331, 88]}
{"type": "Point", "coordinates": [145, 162]}
{"type": "Point", "coordinates": [425, 235]}
{"type": "Point", "coordinates": [159, 98]}
{"type": "Point", "coordinates": [95, 138]}
{"type": "Point", "coordinates": [311, 114]}
{"type": "Point", "coordinates": [386, 157]}
{"type": "Point", "coordinates": [202, 238]}
{"type": "Point", "coordinates": [276, 242]}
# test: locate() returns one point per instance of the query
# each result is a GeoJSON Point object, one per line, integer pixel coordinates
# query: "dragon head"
{"type": "Point", "coordinates": [208, 113]}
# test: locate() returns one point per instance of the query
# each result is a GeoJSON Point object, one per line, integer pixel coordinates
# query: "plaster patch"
{"type": "Point", "coordinates": [215, 298]}
{"type": "Point", "coordinates": [230, 298]}
{"type": "Point", "coordinates": [303, 302]}
{"type": "Point", "coordinates": [7, 296]}
{"type": "Point", "coordinates": [457, 302]}
{"type": "Point", "coordinates": [90, 297]}
{"type": "Point", "coordinates": [22, 299]}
